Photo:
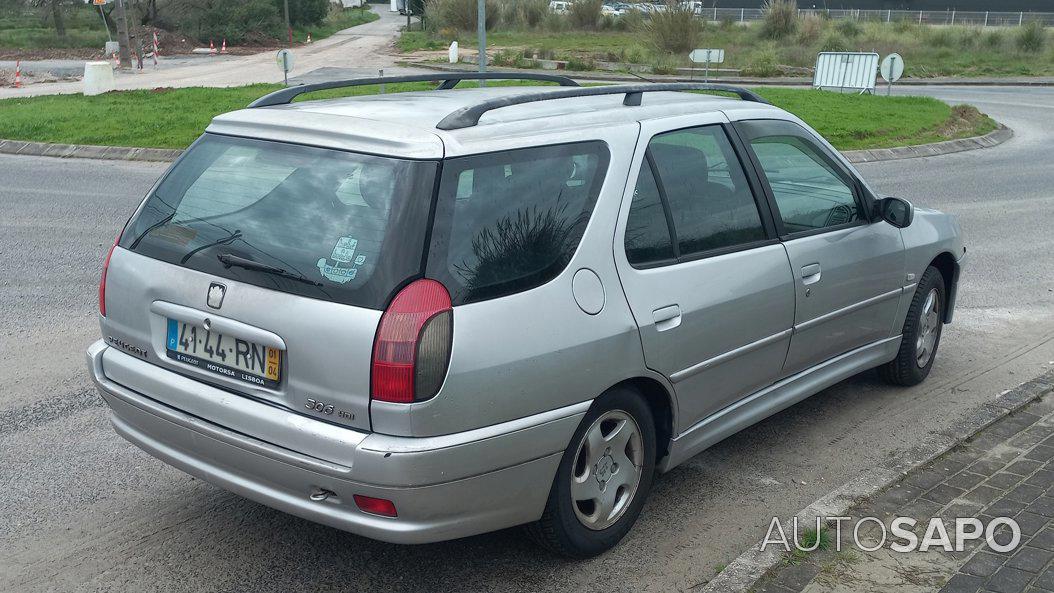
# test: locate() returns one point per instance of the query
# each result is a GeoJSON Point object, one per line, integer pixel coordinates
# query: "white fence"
{"type": "Point", "coordinates": [925, 17]}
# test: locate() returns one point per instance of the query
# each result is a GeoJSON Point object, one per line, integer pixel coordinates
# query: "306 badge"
{"type": "Point", "coordinates": [328, 409]}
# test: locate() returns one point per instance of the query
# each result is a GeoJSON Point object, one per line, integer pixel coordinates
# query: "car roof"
{"type": "Point", "coordinates": [404, 124]}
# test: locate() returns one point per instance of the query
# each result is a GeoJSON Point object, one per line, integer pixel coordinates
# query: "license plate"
{"type": "Point", "coordinates": [224, 355]}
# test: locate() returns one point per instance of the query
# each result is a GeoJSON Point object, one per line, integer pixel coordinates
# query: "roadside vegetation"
{"type": "Point", "coordinates": [73, 24]}
{"type": "Point", "coordinates": [173, 118]}
{"type": "Point", "coordinates": [784, 43]}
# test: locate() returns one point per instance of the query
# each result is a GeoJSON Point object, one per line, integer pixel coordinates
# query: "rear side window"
{"type": "Point", "coordinates": [326, 224]}
{"type": "Point", "coordinates": [711, 203]}
{"type": "Point", "coordinates": [510, 221]}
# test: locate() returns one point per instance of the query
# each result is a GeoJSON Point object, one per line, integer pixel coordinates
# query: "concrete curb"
{"type": "Point", "coordinates": [744, 572]}
{"type": "Point", "coordinates": [120, 153]}
{"type": "Point", "coordinates": [164, 155]}
{"type": "Point", "coordinates": [993, 138]}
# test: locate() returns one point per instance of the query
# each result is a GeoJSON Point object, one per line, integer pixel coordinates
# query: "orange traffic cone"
{"type": "Point", "coordinates": [309, 37]}
{"type": "Point", "coordinates": [18, 74]}
{"type": "Point", "coordinates": [212, 48]}
{"type": "Point", "coordinates": [223, 48]}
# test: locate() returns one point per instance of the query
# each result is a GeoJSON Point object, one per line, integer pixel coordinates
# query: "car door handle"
{"type": "Point", "coordinates": [667, 317]}
{"type": "Point", "coordinates": [810, 273]}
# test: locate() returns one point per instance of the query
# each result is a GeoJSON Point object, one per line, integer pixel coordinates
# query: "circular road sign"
{"type": "Point", "coordinates": [284, 59]}
{"type": "Point", "coordinates": [892, 68]}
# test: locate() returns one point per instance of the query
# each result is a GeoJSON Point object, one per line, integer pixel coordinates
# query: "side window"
{"type": "Point", "coordinates": [510, 221]}
{"type": "Point", "coordinates": [647, 232]}
{"type": "Point", "coordinates": [810, 193]}
{"type": "Point", "coordinates": [711, 204]}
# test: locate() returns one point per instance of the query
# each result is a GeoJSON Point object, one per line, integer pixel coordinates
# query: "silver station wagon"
{"type": "Point", "coordinates": [427, 315]}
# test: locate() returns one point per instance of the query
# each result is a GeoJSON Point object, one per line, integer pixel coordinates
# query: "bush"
{"type": "Point", "coordinates": [993, 39]}
{"type": "Point", "coordinates": [942, 37]}
{"type": "Point", "coordinates": [1031, 37]}
{"type": "Point", "coordinates": [834, 41]}
{"type": "Point", "coordinates": [728, 22]}
{"type": "Point", "coordinates": [529, 13]}
{"type": "Point", "coordinates": [585, 14]}
{"type": "Point", "coordinates": [303, 12]}
{"type": "Point", "coordinates": [810, 29]}
{"type": "Point", "coordinates": [849, 29]}
{"type": "Point", "coordinates": [673, 31]}
{"type": "Point", "coordinates": [763, 64]}
{"type": "Point", "coordinates": [461, 14]}
{"type": "Point", "coordinates": [555, 23]}
{"type": "Point", "coordinates": [664, 65]}
{"type": "Point", "coordinates": [236, 22]}
{"type": "Point", "coordinates": [581, 65]}
{"type": "Point", "coordinates": [780, 18]}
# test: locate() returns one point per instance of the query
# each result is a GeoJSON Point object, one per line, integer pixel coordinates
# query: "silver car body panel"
{"type": "Point", "coordinates": [524, 368]}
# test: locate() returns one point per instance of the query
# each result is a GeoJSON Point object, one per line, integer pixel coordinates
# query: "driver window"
{"type": "Point", "coordinates": [810, 194]}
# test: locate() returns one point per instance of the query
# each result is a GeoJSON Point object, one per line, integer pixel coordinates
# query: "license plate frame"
{"type": "Point", "coordinates": [269, 376]}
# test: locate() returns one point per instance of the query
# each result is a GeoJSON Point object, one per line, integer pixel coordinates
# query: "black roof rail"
{"type": "Point", "coordinates": [466, 117]}
{"type": "Point", "coordinates": [449, 81]}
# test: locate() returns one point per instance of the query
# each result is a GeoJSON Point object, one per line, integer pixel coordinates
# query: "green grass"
{"type": "Point", "coordinates": [337, 21]}
{"type": "Point", "coordinates": [173, 118]}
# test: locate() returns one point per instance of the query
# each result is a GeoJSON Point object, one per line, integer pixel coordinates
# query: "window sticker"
{"type": "Point", "coordinates": [343, 254]}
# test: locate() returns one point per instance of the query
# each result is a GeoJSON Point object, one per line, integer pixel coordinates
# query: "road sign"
{"type": "Point", "coordinates": [711, 56]}
{"type": "Point", "coordinates": [284, 59]}
{"type": "Point", "coordinates": [892, 68]}
{"type": "Point", "coordinates": [100, 2]}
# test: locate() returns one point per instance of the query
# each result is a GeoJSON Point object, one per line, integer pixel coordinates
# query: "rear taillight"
{"type": "Point", "coordinates": [412, 348]}
{"type": "Point", "coordinates": [102, 281]}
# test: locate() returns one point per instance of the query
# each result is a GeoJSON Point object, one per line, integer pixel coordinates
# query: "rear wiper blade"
{"type": "Point", "coordinates": [230, 260]}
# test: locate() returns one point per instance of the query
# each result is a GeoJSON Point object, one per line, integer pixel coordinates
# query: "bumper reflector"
{"type": "Point", "coordinates": [375, 506]}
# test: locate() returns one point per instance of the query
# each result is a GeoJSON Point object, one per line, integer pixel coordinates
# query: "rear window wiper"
{"type": "Point", "coordinates": [230, 260]}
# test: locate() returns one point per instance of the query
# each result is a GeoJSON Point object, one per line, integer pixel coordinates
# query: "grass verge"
{"type": "Point", "coordinates": [173, 118]}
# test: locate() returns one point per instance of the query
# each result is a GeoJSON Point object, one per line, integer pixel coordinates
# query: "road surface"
{"type": "Point", "coordinates": [84, 511]}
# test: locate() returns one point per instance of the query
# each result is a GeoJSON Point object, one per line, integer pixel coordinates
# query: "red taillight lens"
{"type": "Point", "coordinates": [376, 506]}
{"type": "Point", "coordinates": [412, 347]}
{"type": "Point", "coordinates": [102, 280]}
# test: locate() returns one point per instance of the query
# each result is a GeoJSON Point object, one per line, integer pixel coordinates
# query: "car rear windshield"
{"type": "Point", "coordinates": [326, 224]}
{"type": "Point", "coordinates": [510, 221]}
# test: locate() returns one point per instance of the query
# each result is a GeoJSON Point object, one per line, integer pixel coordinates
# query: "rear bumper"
{"type": "Point", "coordinates": [442, 487]}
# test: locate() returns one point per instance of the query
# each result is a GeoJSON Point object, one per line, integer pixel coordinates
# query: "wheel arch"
{"type": "Point", "coordinates": [660, 401]}
{"type": "Point", "coordinates": [949, 268]}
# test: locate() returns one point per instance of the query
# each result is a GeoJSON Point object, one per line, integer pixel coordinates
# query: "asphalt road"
{"type": "Point", "coordinates": [82, 510]}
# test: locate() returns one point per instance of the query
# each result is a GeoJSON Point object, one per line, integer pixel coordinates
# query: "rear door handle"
{"type": "Point", "coordinates": [810, 273]}
{"type": "Point", "coordinates": [667, 317]}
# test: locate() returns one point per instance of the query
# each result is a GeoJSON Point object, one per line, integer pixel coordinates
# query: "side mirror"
{"type": "Point", "coordinates": [895, 211]}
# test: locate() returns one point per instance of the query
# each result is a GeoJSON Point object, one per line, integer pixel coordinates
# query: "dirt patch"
{"type": "Point", "coordinates": [964, 118]}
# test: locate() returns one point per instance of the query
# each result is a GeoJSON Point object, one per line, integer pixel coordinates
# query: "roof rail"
{"type": "Point", "coordinates": [466, 117]}
{"type": "Point", "coordinates": [450, 80]}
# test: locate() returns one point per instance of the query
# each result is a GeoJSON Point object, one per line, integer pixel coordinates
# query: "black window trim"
{"type": "Point", "coordinates": [754, 184]}
{"type": "Point", "coordinates": [860, 195]}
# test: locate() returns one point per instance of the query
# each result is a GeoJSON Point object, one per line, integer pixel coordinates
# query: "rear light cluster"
{"type": "Point", "coordinates": [105, 268]}
{"type": "Point", "coordinates": [412, 348]}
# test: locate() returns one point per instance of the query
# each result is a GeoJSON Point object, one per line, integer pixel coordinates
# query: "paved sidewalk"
{"type": "Point", "coordinates": [1005, 470]}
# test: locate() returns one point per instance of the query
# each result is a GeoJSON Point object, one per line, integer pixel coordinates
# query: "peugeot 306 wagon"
{"type": "Point", "coordinates": [426, 315]}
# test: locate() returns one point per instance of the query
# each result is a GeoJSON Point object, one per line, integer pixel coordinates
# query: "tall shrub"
{"type": "Point", "coordinates": [585, 14]}
{"type": "Point", "coordinates": [1032, 37]}
{"type": "Point", "coordinates": [780, 18]}
{"type": "Point", "coordinates": [675, 30]}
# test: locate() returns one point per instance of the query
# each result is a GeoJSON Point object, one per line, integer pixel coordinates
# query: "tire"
{"type": "Point", "coordinates": [565, 525]}
{"type": "Point", "coordinates": [921, 334]}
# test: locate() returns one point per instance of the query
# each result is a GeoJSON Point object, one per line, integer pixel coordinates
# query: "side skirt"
{"type": "Point", "coordinates": [775, 398]}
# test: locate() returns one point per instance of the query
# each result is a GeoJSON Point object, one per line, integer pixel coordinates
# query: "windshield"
{"type": "Point", "coordinates": [326, 224]}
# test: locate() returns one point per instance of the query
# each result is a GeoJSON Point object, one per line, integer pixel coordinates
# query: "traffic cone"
{"type": "Point", "coordinates": [18, 74]}
{"type": "Point", "coordinates": [309, 37]}
{"type": "Point", "coordinates": [223, 48]}
{"type": "Point", "coordinates": [212, 48]}
{"type": "Point", "coordinates": [116, 61]}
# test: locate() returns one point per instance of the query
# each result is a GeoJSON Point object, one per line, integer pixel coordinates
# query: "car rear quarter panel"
{"type": "Point", "coordinates": [536, 350]}
{"type": "Point", "coordinates": [930, 234]}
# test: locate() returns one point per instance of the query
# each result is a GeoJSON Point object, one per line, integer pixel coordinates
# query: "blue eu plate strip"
{"type": "Point", "coordinates": [173, 334]}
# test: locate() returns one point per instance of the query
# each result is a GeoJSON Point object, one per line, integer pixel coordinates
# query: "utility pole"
{"type": "Point", "coordinates": [481, 32]}
{"type": "Point", "coordinates": [122, 36]}
{"type": "Point", "coordinates": [288, 27]}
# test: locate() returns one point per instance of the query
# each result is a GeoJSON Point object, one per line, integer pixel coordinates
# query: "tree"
{"type": "Point", "coordinates": [305, 12]}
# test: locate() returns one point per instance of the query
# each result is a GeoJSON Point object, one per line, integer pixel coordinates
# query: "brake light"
{"type": "Point", "coordinates": [412, 348]}
{"type": "Point", "coordinates": [102, 281]}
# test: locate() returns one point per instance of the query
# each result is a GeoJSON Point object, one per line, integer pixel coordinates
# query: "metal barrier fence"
{"type": "Point", "coordinates": [924, 17]}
